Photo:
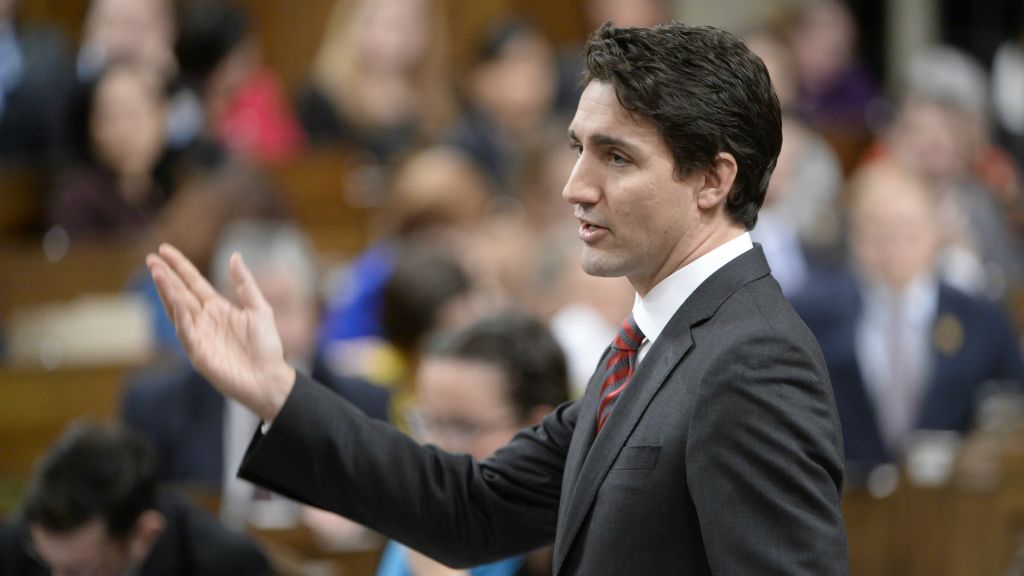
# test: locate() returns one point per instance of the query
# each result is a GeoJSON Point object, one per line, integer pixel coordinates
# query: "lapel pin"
{"type": "Point", "coordinates": [948, 334]}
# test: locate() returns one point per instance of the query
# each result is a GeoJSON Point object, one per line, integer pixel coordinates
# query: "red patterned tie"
{"type": "Point", "coordinates": [619, 368]}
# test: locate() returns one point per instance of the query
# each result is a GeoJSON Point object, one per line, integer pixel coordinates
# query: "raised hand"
{"type": "Point", "coordinates": [237, 348]}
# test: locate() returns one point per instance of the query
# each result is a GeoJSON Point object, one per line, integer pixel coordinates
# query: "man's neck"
{"type": "Point", "coordinates": [711, 242]}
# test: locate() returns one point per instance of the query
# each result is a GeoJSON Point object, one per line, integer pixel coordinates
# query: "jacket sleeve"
{"type": "Point", "coordinates": [323, 451]}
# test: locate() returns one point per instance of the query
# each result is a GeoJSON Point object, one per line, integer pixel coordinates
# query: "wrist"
{"type": "Point", "coordinates": [280, 382]}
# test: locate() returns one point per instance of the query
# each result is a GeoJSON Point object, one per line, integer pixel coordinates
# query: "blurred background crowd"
{"type": "Point", "coordinates": [391, 170]}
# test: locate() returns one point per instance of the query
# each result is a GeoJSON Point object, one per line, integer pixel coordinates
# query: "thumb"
{"type": "Point", "coordinates": [249, 294]}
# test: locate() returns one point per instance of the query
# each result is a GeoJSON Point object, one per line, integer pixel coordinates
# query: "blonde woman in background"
{"type": "Point", "coordinates": [380, 80]}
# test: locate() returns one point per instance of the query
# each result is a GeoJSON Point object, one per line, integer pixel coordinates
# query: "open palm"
{"type": "Point", "coordinates": [237, 347]}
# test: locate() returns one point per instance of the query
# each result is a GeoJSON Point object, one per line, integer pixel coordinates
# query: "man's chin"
{"type": "Point", "coordinates": [594, 265]}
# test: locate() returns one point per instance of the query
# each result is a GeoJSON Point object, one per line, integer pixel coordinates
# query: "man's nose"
{"type": "Point", "coordinates": [581, 188]}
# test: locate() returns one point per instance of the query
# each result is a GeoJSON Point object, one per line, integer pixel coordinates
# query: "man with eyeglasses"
{"type": "Point", "coordinates": [475, 387]}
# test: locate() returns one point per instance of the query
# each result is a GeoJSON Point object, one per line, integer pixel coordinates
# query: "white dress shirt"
{"type": "Point", "coordinates": [653, 312]}
{"type": "Point", "coordinates": [918, 305]}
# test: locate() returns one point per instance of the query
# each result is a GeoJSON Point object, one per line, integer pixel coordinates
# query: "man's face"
{"type": "Point", "coordinates": [294, 311]}
{"type": "Point", "coordinates": [464, 406]}
{"type": "Point", "coordinates": [895, 234]}
{"type": "Point", "coordinates": [87, 551]}
{"type": "Point", "coordinates": [637, 219]}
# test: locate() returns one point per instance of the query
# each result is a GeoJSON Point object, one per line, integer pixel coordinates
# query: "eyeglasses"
{"type": "Point", "coordinates": [459, 431]}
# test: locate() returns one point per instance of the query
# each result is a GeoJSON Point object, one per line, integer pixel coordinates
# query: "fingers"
{"type": "Point", "coordinates": [188, 274]}
{"type": "Point", "coordinates": [157, 271]}
{"type": "Point", "coordinates": [173, 292]}
{"type": "Point", "coordinates": [184, 324]}
{"type": "Point", "coordinates": [249, 293]}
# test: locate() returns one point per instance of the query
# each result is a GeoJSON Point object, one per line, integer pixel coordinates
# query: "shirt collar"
{"type": "Point", "coordinates": [653, 311]}
{"type": "Point", "coordinates": [919, 301]}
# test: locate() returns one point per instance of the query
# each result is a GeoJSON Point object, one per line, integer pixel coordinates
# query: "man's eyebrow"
{"type": "Point", "coordinates": [602, 140]}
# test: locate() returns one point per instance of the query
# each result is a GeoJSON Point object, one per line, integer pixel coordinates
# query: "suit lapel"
{"type": "Point", "coordinates": [590, 458]}
{"type": "Point", "coordinates": [582, 438]}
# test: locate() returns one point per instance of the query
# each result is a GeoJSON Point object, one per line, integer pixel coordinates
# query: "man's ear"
{"type": "Point", "coordinates": [148, 529]}
{"type": "Point", "coordinates": [718, 181]}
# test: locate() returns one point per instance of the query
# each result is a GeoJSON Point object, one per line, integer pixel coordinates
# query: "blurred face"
{"type": "Point", "coordinates": [519, 87]}
{"type": "Point", "coordinates": [127, 122]}
{"type": "Point", "coordinates": [779, 62]}
{"type": "Point", "coordinates": [629, 13]}
{"type": "Point", "coordinates": [88, 551]}
{"type": "Point", "coordinates": [136, 30]}
{"type": "Point", "coordinates": [636, 218]}
{"type": "Point", "coordinates": [931, 140]}
{"type": "Point", "coordinates": [823, 43]}
{"type": "Point", "coordinates": [294, 312]}
{"type": "Point", "coordinates": [895, 233]}
{"type": "Point", "coordinates": [395, 33]}
{"type": "Point", "coordinates": [464, 406]}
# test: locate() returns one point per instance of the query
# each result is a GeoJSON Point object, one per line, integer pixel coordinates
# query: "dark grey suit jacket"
{"type": "Point", "coordinates": [723, 457]}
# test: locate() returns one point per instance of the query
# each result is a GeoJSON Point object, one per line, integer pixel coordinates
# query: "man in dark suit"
{"type": "Point", "coordinates": [707, 441]}
{"type": "Point", "coordinates": [905, 350]}
{"type": "Point", "coordinates": [92, 507]}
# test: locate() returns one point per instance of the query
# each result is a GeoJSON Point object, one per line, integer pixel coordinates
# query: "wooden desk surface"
{"type": "Point", "coordinates": [958, 529]}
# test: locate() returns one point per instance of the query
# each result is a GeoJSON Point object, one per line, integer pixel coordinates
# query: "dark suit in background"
{"type": "Point", "coordinates": [724, 458]}
{"type": "Point", "coordinates": [971, 344]}
{"type": "Point", "coordinates": [183, 416]}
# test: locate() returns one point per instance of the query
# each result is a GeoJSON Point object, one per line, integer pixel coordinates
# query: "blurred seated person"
{"type": "Point", "coordinates": [942, 133]}
{"type": "Point", "coordinates": [143, 33]}
{"type": "Point", "coordinates": [200, 438]}
{"type": "Point", "coordinates": [380, 81]}
{"type": "Point", "coordinates": [437, 195]}
{"type": "Point", "coordinates": [93, 507]}
{"type": "Point", "coordinates": [907, 352]}
{"type": "Point", "coordinates": [429, 291]}
{"type": "Point", "coordinates": [800, 216]}
{"type": "Point", "coordinates": [511, 90]}
{"type": "Point", "coordinates": [835, 88]}
{"type": "Point", "coordinates": [244, 106]}
{"type": "Point", "coordinates": [475, 387]}
{"type": "Point", "coordinates": [35, 73]}
{"type": "Point", "coordinates": [116, 186]}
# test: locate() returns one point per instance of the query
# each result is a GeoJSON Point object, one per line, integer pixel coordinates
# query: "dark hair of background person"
{"type": "Point", "coordinates": [498, 37]}
{"type": "Point", "coordinates": [210, 31]}
{"type": "Point", "coordinates": [705, 92]}
{"type": "Point", "coordinates": [92, 472]}
{"type": "Point", "coordinates": [522, 348]}
{"type": "Point", "coordinates": [423, 282]}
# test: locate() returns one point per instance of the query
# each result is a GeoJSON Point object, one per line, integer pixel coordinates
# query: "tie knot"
{"type": "Point", "coordinates": [629, 336]}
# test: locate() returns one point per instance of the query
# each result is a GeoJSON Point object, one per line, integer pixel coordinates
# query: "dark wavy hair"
{"type": "Point", "coordinates": [521, 348]}
{"type": "Point", "coordinates": [706, 93]}
{"type": "Point", "coordinates": [93, 471]}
